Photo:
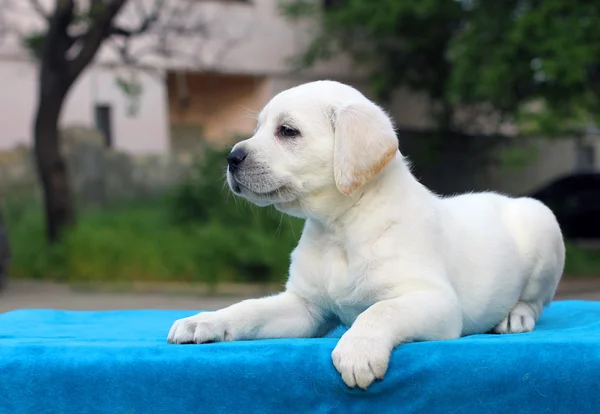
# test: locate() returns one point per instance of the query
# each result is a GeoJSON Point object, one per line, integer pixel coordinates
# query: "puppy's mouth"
{"type": "Point", "coordinates": [279, 194]}
{"type": "Point", "coordinates": [236, 187]}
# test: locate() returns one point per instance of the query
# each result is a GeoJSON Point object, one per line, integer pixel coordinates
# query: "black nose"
{"type": "Point", "coordinates": [234, 159]}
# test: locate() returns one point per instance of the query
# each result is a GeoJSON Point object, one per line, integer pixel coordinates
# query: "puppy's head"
{"type": "Point", "coordinates": [313, 139]}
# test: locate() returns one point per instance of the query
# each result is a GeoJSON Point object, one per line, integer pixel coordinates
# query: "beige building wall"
{"type": "Point", "coordinates": [222, 107]}
{"type": "Point", "coordinates": [548, 159]}
{"type": "Point", "coordinates": [143, 132]}
{"type": "Point", "coordinates": [240, 60]}
{"type": "Point", "coordinates": [236, 61]}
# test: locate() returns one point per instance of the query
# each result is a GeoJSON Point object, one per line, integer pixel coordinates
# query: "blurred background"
{"type": "Point", "coordinates": [116, 116]}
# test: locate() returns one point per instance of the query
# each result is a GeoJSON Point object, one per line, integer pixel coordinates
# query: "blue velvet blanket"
{"type": "Point", "coordinates": [119, 362]}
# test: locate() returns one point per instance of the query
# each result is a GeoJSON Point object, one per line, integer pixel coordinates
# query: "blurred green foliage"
{"type": "Point", "coordinates": [515, 158]}
{"type": "Point", "coordinates": [534, 62]}
{"type": "Point", "coordinates": [141, 242]}
{"type": "Point", "coordinates": [253, 242]}
{"type": "Point", "coordinates": [582, 261]}
{"type": "Point", "coordinates": [200, 233]}
{"type": "Point", "coordinates": [524, 52]}
{"type": "Point", "coordinates": [34, 42]}
{"type": "Point", "coordinates": [399, 42]}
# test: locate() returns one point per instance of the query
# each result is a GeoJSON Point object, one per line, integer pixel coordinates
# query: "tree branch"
{"type": "Point", "coordinates": [57, 40]}
{"type": "Point", "coordinates": [37, 6]}
{"type": "Point", "coordinates": [97, 32]}
{"type": "Point", "coordinates": [146, 24]}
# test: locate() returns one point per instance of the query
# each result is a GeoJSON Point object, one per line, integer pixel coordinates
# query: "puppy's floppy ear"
{"type": "Point", "coordinates": [365, 142]}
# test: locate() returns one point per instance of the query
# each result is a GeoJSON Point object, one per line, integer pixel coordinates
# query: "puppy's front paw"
{"type": "Point", "coordinates": [198, 329]}
{"type": "Point", "coordinates": [361, 359]}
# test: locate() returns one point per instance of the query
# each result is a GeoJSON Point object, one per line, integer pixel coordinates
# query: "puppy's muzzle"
{"type": "Point", "coordinates": [235, 160]}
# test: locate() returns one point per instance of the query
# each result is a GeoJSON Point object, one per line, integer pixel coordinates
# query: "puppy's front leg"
{"type": "Point", "coordinates": [363, 352]}
{"type": "Point", "coordinates": [285, 315]}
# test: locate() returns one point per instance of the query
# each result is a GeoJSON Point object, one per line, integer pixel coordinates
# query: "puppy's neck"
{"type": "Point", "coordinates": [395, 184]}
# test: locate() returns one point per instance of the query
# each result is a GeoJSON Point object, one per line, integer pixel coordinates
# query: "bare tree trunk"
{"type": "Point", "coordinates": [51, 166]}
{"type": "Point", "coordinates": [55, 80]}
{"type": "Point", "coordinates": [4, 251]}
{"type": "Point", "coordinates": [57, 75]}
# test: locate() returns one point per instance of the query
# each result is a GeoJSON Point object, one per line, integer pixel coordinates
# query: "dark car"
{"type": "Point", "coordinates": [4, 253]}
{"type": "Point", "coordinates": [575, 200]}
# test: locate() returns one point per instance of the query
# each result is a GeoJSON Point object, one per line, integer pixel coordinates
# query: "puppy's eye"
{"type": "Point", "coordinates": [288, 132]}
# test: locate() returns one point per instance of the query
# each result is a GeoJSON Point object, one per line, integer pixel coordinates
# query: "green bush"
{"type": "Point", "coordinates": [582, 261]}
{"type": "Point", "coordinates": [134, 242]}
{"type": "Point", "coordinates": [201, 232]}
{"type": "Point", "coordinates": [251, 242]}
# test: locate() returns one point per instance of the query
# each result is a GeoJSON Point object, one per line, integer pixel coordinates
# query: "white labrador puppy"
{"type": "Point", "coordinates": [379, 252]}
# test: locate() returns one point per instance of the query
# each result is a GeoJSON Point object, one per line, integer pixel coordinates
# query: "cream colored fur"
{"type": "Point", "coordinates": [379, 252]}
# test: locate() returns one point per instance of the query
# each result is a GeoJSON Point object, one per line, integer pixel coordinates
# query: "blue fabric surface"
{"type": "Point", "coordinates": [119, 362]}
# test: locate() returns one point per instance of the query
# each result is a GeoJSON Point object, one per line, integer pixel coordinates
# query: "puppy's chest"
{"type": "Point", "coordinates": [340, 284]}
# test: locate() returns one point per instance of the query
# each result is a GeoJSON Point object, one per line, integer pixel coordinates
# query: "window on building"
{"type": "Point", "coordinates": [104, 123]}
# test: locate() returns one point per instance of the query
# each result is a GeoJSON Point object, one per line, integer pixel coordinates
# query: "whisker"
{"type": "Point", "coordinates": [292, 227]}
{"type": "Point", "coordinates": [253, 113]}
{"type": "Point", "coordinates": [279, 227]}
{"type": "Point", "coordinates": [245, 117]}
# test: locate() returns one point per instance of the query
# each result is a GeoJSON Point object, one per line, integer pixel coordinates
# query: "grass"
{"type": "Point", "coordinates": [141, 242]}
{"type": "Point", "coordinates": [199, 233]}
{"type": "Point", "coordinates": [193, 237]}
{"type": "Point", "coordinates": [132, 242]}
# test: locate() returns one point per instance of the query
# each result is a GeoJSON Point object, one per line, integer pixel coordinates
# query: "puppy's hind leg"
{"type": "Point", "coordinates": [544, 248]}
{"type": "Point", "coordinates": [538, 292]}
{"type": "Point", "coordinates": [521, 319]}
